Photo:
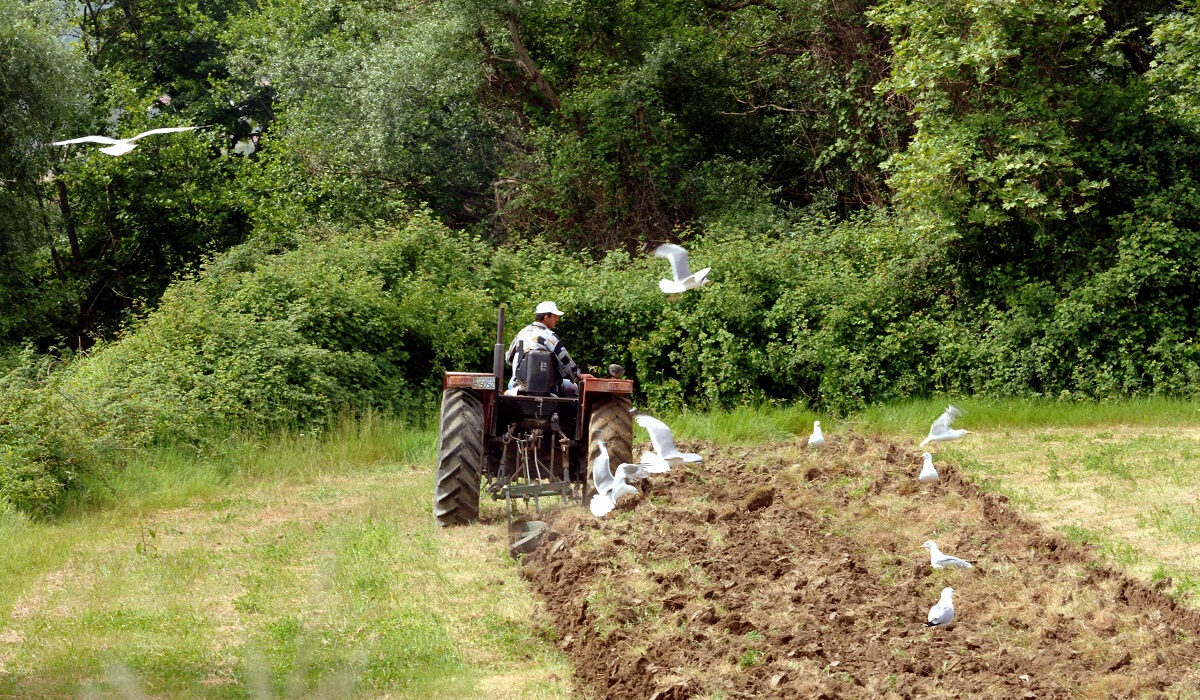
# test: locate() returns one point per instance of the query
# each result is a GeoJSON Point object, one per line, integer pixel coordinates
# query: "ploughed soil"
{"type": "Point", "coordinates": [788, 571]}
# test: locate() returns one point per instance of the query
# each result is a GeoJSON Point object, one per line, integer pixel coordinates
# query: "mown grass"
{"type": "Point", "coordinates": [742, 425]}
{"type": "Point", "coordinates": [300, 565]}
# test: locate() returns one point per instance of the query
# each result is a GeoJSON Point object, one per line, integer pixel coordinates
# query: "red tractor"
{"type": "Point", "coordinates": [525, 444]}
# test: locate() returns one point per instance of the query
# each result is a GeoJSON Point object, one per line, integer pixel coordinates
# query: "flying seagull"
{"type": "Point", "coordinates": [928, 474]}
{"type": "Point", "coordinates": [941, 431]}
{"type": "Point", "coordinates": [683, 277]}
{"type": "Point", "coordinates": [611, 486]}
{"type": "Point", "coordinates": [817, 438]}
{"type": "Point", "coordinates": [944, 561]}
{"type": "Point", "coordinates": [664, 442]}
{"type": "Point", "coordinates": [119, 147]}
{"type": "Point", "coordinates": [942, 614]}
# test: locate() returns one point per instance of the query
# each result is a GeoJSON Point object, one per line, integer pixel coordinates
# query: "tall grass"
{"type": "Point", "coordinates": [171, 477]}
{"type": "Point", "coordinates": [914, 416]}
{"type": "Point", "coordinates": [766, 422]}
{"type": "Point", "coordinates": [741, 425]}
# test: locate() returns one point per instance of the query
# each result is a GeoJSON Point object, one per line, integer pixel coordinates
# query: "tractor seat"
{"type": "Point", "coordinates": [538, 374]}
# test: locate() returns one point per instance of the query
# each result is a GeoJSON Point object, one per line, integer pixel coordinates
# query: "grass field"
{"type": "Point", "coordinates": [310, 564]}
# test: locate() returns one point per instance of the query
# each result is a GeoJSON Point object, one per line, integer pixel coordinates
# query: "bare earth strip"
{"type": "Point", "coordinates": [784, 571]}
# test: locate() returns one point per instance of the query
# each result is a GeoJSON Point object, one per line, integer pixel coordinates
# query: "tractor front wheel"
{"type": "Point", "coordinates": [460, 458]}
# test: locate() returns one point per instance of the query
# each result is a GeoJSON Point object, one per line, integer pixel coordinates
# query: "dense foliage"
{"type": "Point", "coordinates": [896, 198]}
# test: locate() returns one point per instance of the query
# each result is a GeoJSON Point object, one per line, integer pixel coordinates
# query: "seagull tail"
{"type": "Point", "coordinates": [601, 505]}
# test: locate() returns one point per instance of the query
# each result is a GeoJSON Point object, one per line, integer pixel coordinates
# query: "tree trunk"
{"type": "Point", "coordinates": [58, 268]}
{"type": "Point", "coordinates": [539, 80]}
{"type": "Point", "coordinates": [64, 205]}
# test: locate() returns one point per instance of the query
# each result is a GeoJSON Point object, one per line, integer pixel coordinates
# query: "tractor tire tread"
{"type": "Point", "coordinates": [612, 422]}
{"type": "Point", "coordinates": [460, 458]}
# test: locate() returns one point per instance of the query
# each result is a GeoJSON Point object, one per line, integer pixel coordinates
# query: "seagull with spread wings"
{"type": "Point", "coordinates": [682, 276]}
{"type": "Point", "coordinates": [119, 147]}
{"type": "Point", "coordinates": [664, 442]}
{"type": "Point", "coordinates": [941, 431]}
{"type": "Point", "coordinates": [611, 486]}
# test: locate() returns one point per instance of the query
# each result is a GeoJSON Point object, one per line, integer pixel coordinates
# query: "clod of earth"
{"type": "Point", "coordinates": [809, 581]}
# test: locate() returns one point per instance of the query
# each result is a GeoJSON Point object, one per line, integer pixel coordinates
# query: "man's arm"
{"type": "Point", "coordinates": [511, 356]}
{"type": "Point", "coordinates": [566, 366]}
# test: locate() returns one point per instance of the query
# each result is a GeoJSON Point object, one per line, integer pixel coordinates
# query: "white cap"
{"type": "Point", "coordinates": [548, 307]}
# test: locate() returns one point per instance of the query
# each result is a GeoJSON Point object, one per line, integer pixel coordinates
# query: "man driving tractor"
{"type": "Point", "coordinates": [540, 335]}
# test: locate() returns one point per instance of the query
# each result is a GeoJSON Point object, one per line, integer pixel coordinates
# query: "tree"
{"type": "Point", "coordinates": [41, 92]}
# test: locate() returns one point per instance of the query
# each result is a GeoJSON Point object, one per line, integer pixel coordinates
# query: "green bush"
{"type": "Point", "coordinates": [835, 315]}
{"type": "Point", "coordinates": [365, 319]}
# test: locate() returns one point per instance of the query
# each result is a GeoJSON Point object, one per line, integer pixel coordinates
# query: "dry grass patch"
{"type": "Point", "coordinates": [1130, 491]}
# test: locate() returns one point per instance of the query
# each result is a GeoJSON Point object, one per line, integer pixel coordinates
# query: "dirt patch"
{"type": "Point", "coordinates": [49, 585]}
{"type": "Point", "coordinates": [792, 572]}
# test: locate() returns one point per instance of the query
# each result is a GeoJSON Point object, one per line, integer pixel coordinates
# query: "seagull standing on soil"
{"type": "Point", "coordinates": [683, 278]}
{"type": "Point", "coordinates": [664, 442]}
{"type": "Point", "coordinates": [928, 474]}
{"type": "Point", "coordinates": [817, 438]}
{"type": "Point", "coordinates": [942, 614]}
{"type": "Point", "coordinates": [944, 561]}
{"type": "Point", "coordinates": [941, 431]}
{"type": "Point", "coordinates": [119, 147]}
{"type": "Point", "coordinates": [611, 486]}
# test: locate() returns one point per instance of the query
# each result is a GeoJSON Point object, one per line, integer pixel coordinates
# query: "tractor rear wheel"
{"type": "Point", "coordinates": [460, 458]}
{"type": "Point", "coordinates": [611, 422]}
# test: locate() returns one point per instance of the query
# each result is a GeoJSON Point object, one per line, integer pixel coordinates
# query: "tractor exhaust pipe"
{"type": "Point", "coordinates": [498, 352]}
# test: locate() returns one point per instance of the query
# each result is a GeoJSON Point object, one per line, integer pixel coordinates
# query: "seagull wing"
{"type": "Point", "coordinates": [631, 473]}
{"type": "Point", "coordinates": [953, 562]}
{"type": "Point", "coordinates": [678, 257]}
{"type": "Point", "coordinates": [940, 614]}
{"type": "Point", "coordinates": [602, 478]}
{"type": "Point", "coordinates": [943, 422]}
{"type": "Point", "coordinates": [654, 463]}
{"type": "Point", "coordinates": [660, 435]}
{"type": "Point", "coordinates": [104, 140]}
{"type": "Point", "coordinates": [162, 130]}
